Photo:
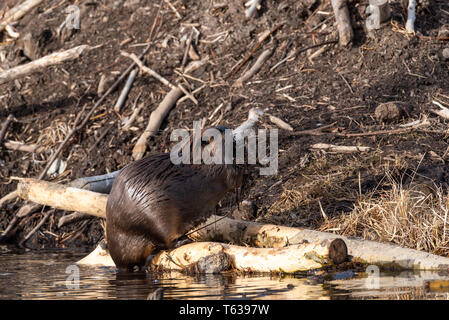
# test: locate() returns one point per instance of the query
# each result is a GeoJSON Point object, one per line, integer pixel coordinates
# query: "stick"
{"type": "Point", "coordinates": [125, 91]}
{"type": "Point", "coordinates": [186, 51]}
{"type": "Point", "coordinates": [156, 118]}
{"type": "Point", "coordinates": [410, 24]}
{"type": "Point", "coordinates": [342, 149]}
{"type": "Point", "coordinates": [72, 218]}
{"type": "Point", "coordinates": [346, 34]}
{"type": "Point", "coordinates": [18, 12]}
{"type": "Point", "coordinates": [133, 117]}
{"type": "Point", "coordinates": [255, 68]}
{"type": "Point", "coordinates": [33, 66]}
{"type": "Point", "coordinates": [5, 126]}
{"type": "Point", "coordinates": [158, 76]}
{"type": "Point", "coordinates": [173, 9]}
{"type": "Point", "coordinates": [9, 197]}
{"type": "Point", "coordinates": [103, 134]}
{"type": "Point", "coordinates": [280, 123]}
{"type": "Point", "coordinates": [241, 64]}
{"type": "Point", "coordinates": [145, 69]}
{"type": "Point", "coordinates": [313, 132]}
{"type": "Point", "coordinates": [36, 228]}
{"type": "Point", "coordinates": [444, 112]}
{"type": "Point", "coordinates": [14, 145]}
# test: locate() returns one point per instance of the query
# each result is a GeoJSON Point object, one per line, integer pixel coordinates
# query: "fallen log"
{"type": "Point", "coordinates": [301, 257]}
{"type": "Point", "coordinates": [239, 232]}
{"type": "Point", "coordinates": [62, 197]}
{"type": "Point", "coordinates": [33, 66]}
{"type": "Point", "coordinates": [364, 251]}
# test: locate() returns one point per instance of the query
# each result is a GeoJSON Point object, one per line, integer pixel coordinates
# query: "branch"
{"type": "Point", "coordinates": [36, 65]}
{"type": "Point", "coordinates": [346, 34]}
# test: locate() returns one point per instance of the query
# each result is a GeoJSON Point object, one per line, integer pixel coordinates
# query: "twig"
{"type": "Point", "coordinates": [444, 112]}
{"type": "Point", "coordinates": [186, 51]}
{"type": "Point", "coordinates": [14, 145]}
{"type": "Point", "coordinates": [193, 92]}
{"type": "Point", "coordinates": [173, 9]}
{"type": "Point", "coordinates": [51, 59]}
{"type": "Point", "coordinates": [103, 134]}
{"type": "Point", "coordinates": [313, 132]}
{"type": "Point", "coordinates": [239, 66]}
{"type": "Point", "coordinates": [346, 82]}
{"type": "Point", "coordinates": [255, 68]}
{"type": "Point", "coordinates": [9, 197]}
{"type": "Point", "coordinates": [158, 76]}
{"type": "Point", "coordinates": [36, 228]}
{"type": "Point", "coordinates": [156, 118]}
{"type": "Point", "coordinates": [125, 91]}
{"type": "Point", "coordinates": [5, 126]}
{"type": "Point", "coordinates": [145, 69]}
{"type": "Point", "coordinates": [334, 148]}
{"type": "Point", "coordinates": [72, 218]}
{"type": "Point", "coordinates": [136, 111]}
{"type": "Point", "coordinates": [280, 123]}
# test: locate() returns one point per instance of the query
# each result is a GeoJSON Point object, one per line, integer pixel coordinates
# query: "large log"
{"type": "Point", "coordinates": [365, 251]}
{"type": "Point", "coordinates": [236, 231]}
{"type": "Point", "coordinates": [300, 257]}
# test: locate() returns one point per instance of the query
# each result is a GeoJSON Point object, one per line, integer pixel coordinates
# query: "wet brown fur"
{"type": "Point", "coordinates": [154, 202]}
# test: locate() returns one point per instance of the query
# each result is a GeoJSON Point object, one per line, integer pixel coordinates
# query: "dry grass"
{"type": "Point", "coordinates": [415, 216]}
{"type": "Point", "coordinates": [411, 218]}
{"type": "Point", "coordinates": [54, 134]}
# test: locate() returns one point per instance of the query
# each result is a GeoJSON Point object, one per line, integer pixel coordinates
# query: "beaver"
{"type": "Point", "coordinates": [154, 202]}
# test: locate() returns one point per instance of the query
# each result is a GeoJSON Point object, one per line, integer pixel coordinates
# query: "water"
{"type": "Point", "coordinates": [50, 275]}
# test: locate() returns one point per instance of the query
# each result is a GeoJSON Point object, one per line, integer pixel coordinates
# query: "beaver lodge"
{"type": "Point", "coordinates": [362, 119]}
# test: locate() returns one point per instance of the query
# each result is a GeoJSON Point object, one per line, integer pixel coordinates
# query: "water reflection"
{"type": "Point", "coordinates": [50, 275]}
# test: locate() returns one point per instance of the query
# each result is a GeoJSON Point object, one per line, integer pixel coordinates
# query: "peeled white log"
{"type": "Point", "coordinates": [364, 251]}
{"type": "Point", "coordinates": [62, 197]}
{"type": "Point", "coordinates": [301, 257]}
